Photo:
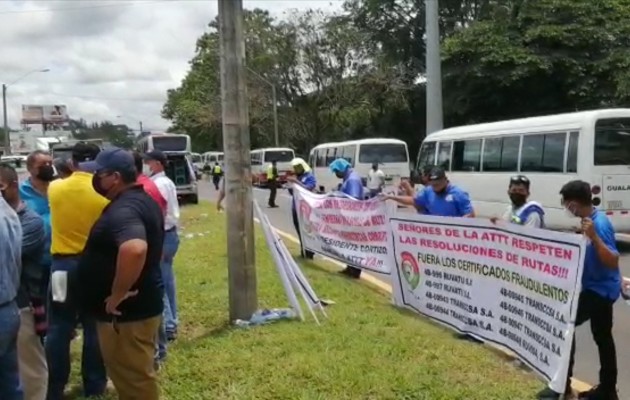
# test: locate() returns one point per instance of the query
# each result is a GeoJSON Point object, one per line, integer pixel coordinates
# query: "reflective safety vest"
{"type": "Point", "coordinates": [217, 169]}
{"type": "Point", "coordinates": [270, 172]}
{"type": "Point", "coordinates": [525, 211]}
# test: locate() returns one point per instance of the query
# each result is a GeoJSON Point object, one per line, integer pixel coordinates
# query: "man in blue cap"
{"type": "Point", "coordinates": [351, 185]}
{"type": "Point", "coordinates": [119, 279]}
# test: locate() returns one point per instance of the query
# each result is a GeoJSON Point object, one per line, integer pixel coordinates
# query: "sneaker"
{"type": "Point", "coordinates": [599, 393]}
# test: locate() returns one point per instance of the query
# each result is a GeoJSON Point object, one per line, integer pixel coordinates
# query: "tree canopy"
{"type": "Point", "coordinates": [359, 73]}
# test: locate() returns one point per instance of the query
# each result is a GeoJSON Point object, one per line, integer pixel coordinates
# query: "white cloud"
{"type": "Point", "coordinates": [107, 58]}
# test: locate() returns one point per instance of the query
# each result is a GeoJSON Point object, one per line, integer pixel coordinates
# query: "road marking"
{"type": "Point", "coordinates": [577, 385]}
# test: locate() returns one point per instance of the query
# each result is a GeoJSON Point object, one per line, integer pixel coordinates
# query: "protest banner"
{"type": "Point", "coordinates": [516, 287]}
{"type": "Point", "coordinates": [291, 275]}
{"type": "Point", "coordinates": [350, 231]}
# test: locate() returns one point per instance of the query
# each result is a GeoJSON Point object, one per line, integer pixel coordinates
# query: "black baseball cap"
{"type": "Point", "coordinates": [113, 159]}
{"type": "Point", "coordinates": [155, 155]}
{"type": "Point", "coordinates": [437, 173]}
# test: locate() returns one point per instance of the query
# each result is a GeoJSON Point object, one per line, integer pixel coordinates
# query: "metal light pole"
{"type": "Point", "coordinates": [236, 144]}
{"type": "Point", "coordinates": [276, 136]}
{"type": "Point", "coordinates": [7, 136]}
{"type": "Point", "coordinates": [434, 70]}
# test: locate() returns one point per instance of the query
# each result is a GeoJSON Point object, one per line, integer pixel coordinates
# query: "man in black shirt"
{"type": "Point", "coordinates": [119, 275]}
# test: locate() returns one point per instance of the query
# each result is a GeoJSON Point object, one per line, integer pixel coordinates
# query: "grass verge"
{"type": "Point", "coordinates": [365, 350]}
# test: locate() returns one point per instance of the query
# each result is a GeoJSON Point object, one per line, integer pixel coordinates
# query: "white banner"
{"type": "Point", "coordinates": [291, 275]}
{"type": "Point", "coordinates": [513, 286]}
{"type": "Point", "coordinates": [350, 231]}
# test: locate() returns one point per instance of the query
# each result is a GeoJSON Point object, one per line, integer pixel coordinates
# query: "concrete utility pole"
{"type": "Point", "coordinates": [434, 69]}
{"type": "Point", "coordinates": [5, 125]}
{"type": "Point", "coordinates": [140, 127]}
{"type": "Point", "coordinates": [236, 146]}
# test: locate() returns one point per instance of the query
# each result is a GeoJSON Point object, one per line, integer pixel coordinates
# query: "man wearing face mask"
{"type": "Point", "coordinates": [601, 287]}
{"type": "Point", "coordinates": [120, 277]}
{"type": "Point", "coordinates": [74, 208]}
{"type": "Point", "coordinates": [522, 212]}
{"type": "Point", "coordinates": [351, 185]}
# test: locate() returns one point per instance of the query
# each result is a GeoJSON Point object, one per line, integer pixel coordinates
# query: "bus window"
{"type": "Point", "coordinates": [444, 155]}
{"type": "Point", "coordinates": [278, 155]}
{"type": "Point", "coordinates": [170, 143]}
{"type": "Point", "coordinates": [427, 154]}
{"type": "Point", "coordinates": [501, 154]}
{"type": "Point", "coordinates": [572, 152]}
{"type": "Point", "coordinates": [321, 157]}
{"type": "Point", "coordinates": [612, 141]}
{"type": "Point", "coordinates": [543, 153]}
{"type": "Point", "coordinates": [256, 158]}
{"type": "Point", "coordinates": [382, 153]}
{"type": "Point", "coordinates": [348, 152]}
{"type": "Point", "coordinates": [331, 155]}
{"type": "Point", "coordinates": [467, 155]}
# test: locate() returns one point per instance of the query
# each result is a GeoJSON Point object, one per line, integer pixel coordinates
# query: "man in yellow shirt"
{"type": "Point", "coordinates": [74, 208]}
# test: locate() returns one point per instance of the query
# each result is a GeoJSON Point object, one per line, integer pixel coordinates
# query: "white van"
{"type": "Point", "coordinates": [391, 155]}
{"type": "Point", "coordinates": [261, 158]}
{"type": "Point", "coordinates": [209, 158]}
{"type": "Point", "coordinates": [593, 146]}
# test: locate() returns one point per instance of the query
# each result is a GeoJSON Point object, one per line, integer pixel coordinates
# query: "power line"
{"type": "Point", "coordinates": [77, 8]}
{"type": "Point", "coordinates": [78, 96]}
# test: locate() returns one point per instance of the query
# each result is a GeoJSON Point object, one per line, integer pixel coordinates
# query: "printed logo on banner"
{"type": "Point", "coordinates": [410, 269]}
{"type": "Point", "coordinates": [305, 212]}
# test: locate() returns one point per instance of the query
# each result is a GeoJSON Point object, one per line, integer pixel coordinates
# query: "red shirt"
{"type": "Point", "coordinates": [152, 190]}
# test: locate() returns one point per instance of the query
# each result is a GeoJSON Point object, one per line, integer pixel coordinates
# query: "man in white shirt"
{"type": "Point", "coordinates": [522, 211]}
{"type": "Point", "coordinates": [375, 180]}
{"type": "Point", "coordinates": [156, 161]}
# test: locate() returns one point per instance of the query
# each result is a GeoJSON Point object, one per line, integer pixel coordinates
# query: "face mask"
{"type": "Point", "coordinates": [340, 175]}
{"type": "Point", "coordinates": [97, 184]}
{"type": "Point", "coordinates": [46, 173]}
{"type": "Point", "coordinates": [517, 199]}
{"type": "Point", "coordinates": [568, 210]}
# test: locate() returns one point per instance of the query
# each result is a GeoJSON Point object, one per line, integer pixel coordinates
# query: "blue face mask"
{"type": "Point", "coordinates": [340, 175]}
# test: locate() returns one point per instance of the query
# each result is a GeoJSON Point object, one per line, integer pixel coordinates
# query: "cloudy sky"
{"type": "Point", "coordinates": [108, 59]}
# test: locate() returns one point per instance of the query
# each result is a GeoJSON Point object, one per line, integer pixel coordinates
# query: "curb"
{"type": "Point", "coordinates": [577, 385]}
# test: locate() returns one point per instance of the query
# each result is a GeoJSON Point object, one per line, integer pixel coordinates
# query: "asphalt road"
{"type": "Point", "coordinates": [587, 358]}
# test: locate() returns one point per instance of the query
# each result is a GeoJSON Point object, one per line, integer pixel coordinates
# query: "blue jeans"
{"type": "Point", "coordinates": [10, 388]}
{"type": "Point", "coordinates": [63, 320]}
{"type": "Point", "coordinates": [169, 317]}
{"type": "Point", "coordinates": [171, 244]}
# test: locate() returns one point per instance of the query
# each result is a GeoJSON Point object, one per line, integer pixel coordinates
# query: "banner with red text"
{"type": "Point", "coordinates": [516, 287]}
{"type": "Point", "coordinates": [353, 232]}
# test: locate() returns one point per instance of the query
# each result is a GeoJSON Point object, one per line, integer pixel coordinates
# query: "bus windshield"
{"type": "Point", "coordinates": [170, 143]}
{"type": "Point", "coordinates": [278, 155]}
{"type": "Point", "coordinates": [612, 141]}
{"type": "Point", "coordinates": [195, 157]}
{"type": "Point", "coordinates": [383, 153]}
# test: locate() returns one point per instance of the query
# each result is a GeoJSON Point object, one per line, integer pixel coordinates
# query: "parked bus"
{"type": "Point", "coordinates": [391, 155]}
{"type": "Point", "coordinates": [209, 158]}
{"type": "Point", "coordinates": [261, 158]}
{"type": "Point", "coordinates": [176, 148]}
{"type": "Point", "coordinates": [593, 146]}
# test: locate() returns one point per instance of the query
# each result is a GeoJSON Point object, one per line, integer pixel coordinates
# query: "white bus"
{"type": "Point", "coordinates": [593, 146]}
{"type": "Point", "coordinates": [165, 142]}
{"type": "Point", "coordinates": [261, 158]}
{"type": "Point", "coordinates": [211, 157]}
{"type": "Point", "coordinates": [176, 147]}
{"type": "Point", "coordinates": [391, 155]}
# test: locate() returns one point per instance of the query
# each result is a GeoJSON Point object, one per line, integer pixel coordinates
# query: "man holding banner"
{"type": "Point", "coordinates": [304, 178]}
{"type": "Point", "coordinates": [352, 186]}
{"type": "Point", "coordinates": [601, 287]}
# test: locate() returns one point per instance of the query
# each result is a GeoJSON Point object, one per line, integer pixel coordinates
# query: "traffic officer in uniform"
{"type": "Point", "coordinates": [272, 183]}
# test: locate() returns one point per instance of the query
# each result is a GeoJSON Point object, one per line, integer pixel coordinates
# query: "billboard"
{"type": "Point", "coordinates": [44, 114]}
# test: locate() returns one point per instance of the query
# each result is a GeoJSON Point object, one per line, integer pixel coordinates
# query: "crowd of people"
{"type": "Point", "coordinates": [430, 192]}
{"type": "Point", "coordinates": [86, 243]}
